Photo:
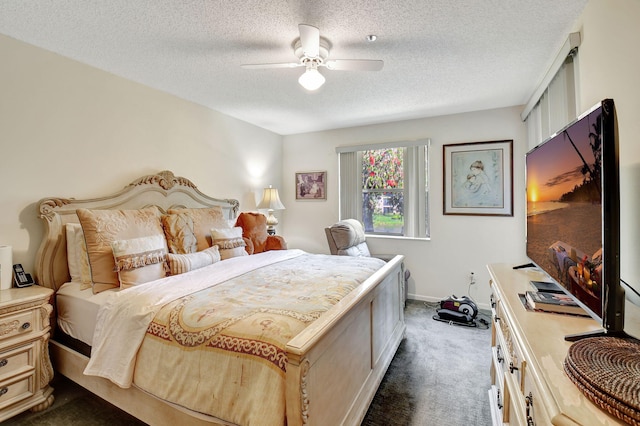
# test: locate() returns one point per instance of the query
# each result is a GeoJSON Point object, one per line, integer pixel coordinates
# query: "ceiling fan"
{"type": "Point", "coordinates": [313, 52]}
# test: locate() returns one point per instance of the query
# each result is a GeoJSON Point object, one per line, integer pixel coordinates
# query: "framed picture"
{"type": "Point", "coordinates": [311, 186]}
{"type": "Point", "coordinates": [478, 178]}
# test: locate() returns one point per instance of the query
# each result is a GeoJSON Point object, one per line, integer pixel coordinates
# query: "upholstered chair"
{"type": "Point", "coordinates": [347, 238]}
{"type": "Point", "coordinates": [254, 233]}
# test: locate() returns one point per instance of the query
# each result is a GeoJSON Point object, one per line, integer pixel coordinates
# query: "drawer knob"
{"type": "Point", "coordinates": [499, 354]}
{"type": "Point", "coordinates": [512, 367]}
{"type": "Point", "coordinates": [529, 401]}
{"type": "Point", "coordinates": [26, 325]}
{"type": "Point", "coordinates": [496, 319]}
{"type": "Point", "coordinates": [3, 391]}
{"type": "Point", "coordinates": [3, 362]}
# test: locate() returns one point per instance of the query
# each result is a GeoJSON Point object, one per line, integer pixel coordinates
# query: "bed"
{"type": "Point", "coordinates": [327, 369]}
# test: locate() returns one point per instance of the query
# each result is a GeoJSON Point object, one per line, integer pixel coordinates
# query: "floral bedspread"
{"type": "Point", "coordinates": [221, 350]}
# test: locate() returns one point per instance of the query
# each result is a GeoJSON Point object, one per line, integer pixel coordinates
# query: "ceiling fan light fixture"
{"type": "Point", "coordinates": [312, 52]}
{"type": "Point", "coordinates": [311, 79]}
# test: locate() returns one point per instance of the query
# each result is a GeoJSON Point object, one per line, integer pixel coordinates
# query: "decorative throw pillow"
{"type": "Point", "coordinates": [203, 220]}
{"type": "Point", "coordinates": [230, 242]}
{"type": "Point", "coordinates": [77, 258]}
{"type": "Point", "coordinates": [102, 227]}
{"type": "Point", "coordinates": [179, 232]}
{"type": "Point", "coordinates": [139, 260]}
{"type": "Point", "coordinates": [181, 263]}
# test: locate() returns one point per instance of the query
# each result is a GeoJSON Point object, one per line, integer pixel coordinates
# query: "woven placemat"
{"type": "Point", "coordinates": [607, 371]}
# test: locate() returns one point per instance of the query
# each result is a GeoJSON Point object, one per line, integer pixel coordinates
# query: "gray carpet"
{"type": "Point", "coordinates": [439, 376]}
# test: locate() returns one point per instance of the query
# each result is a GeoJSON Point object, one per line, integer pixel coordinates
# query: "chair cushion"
{"type": "Point", "coordinates": [347, 234]}
{"type": "Point", "coordinates": [361, 249]}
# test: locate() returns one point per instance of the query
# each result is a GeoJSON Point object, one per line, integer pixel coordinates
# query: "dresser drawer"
{"type": "Point", "coordinates": [17, 361]}
{"type": "Point", "coordinates": [514, 409]}
{"type": "Point", "coordinates": [535, 412]}
{"type": "Point", "coordinates": [16, 389]}
{"type": "Point", "coordinates": [17, 324]}
{"type": "Point", "coordinates": [508, 354]}
{"type": "Point", "coordinates": [496, 406]}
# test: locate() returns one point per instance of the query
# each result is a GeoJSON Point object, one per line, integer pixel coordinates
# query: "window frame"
{"type": "Point", "coordinates": [415, 192]}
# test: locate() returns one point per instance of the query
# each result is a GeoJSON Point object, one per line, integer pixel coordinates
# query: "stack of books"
{"type": "Point", "coordinates": [549, 297]}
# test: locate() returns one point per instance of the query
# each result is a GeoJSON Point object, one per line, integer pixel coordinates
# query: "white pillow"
{"type": "Point", "coordinates": [181, 263]}
{"type": "Point", "coordinates": [73, 260]}
{"type": "Point", "coordinates": [77, 258]}
{"type": "Point", "coordinates": [139, 260]}
{"type": "Point", "coordinates": [229, 241]}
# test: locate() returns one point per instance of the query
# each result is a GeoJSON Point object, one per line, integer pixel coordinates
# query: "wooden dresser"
{"type": "Point", "coordinates": [25, 368]}
{"type": "Point", "coordinates": [530, 386]}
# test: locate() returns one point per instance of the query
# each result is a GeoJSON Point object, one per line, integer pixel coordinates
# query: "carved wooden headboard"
{"type": "Point", "coordinates": [163, 190]}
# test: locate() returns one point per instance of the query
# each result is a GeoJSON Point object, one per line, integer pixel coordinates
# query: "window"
{"type": "Point", "coordinates": [386, 186]}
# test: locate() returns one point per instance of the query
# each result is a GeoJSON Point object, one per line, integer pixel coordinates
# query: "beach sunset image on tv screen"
{"type": "Point", "coordinates": [564, 208]}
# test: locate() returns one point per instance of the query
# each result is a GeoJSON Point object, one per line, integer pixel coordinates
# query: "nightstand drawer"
{"type": "Point", "coordinates": [17, 324]}
{"type": "Point", "coordinates": [17, 361]}
{"type": "Point", "coordinates": [17, 389]}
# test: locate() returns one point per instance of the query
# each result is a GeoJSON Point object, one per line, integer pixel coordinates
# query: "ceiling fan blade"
{"type": "Point", "coordinates": [267, 66]}
{"type": "Point", "coordinates": [355, 64]}
{"type": "Point", "coordinates": [310, 40]}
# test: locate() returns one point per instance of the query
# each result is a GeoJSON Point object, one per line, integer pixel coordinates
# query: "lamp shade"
{"type": "Point", "coordinates": [271, 200]}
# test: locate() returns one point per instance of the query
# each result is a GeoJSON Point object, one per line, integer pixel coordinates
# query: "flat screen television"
{"type": "Point", "coordinates": [573, 213]}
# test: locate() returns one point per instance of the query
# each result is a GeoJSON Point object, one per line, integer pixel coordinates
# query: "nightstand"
{"type": "Point", "coordinates": [25, 367]}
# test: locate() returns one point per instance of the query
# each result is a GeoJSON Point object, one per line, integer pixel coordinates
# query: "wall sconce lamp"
{"type": "Point", "coordinates": [271, 201]}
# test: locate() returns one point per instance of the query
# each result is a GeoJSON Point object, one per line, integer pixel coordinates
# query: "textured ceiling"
{"type": "Point", "coordinates": [440, 56]}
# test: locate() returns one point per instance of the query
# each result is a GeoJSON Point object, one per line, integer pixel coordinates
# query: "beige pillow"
{"type": "Point", "coordinates": [139, 260]}
{"type": "Point", "coordinates": [102, 227]}
{"type": "Point", "coordinates": [77, 258]}
{"type": "Point", "coordinates": [181, 263]}
{"type": "Point", "coordinates": [203, 220]}
{"type": "Point", "coordinates": [230, 242]}
{"type": "Point", "coordinates": [179, 232]}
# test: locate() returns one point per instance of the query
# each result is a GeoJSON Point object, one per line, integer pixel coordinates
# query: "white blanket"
{"type": "Point", "coordinates": [123, 320]}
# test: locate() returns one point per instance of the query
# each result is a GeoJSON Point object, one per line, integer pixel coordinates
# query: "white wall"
{"type": "Point", "coordinates": [70, 130]}
{"type": "Point", "coordinates": [458, 244]}
{"type": "Point", "coordinates": [610, 68]}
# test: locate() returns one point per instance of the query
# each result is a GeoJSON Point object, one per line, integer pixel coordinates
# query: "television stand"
{"type": "Point", "coordinates": [606, 370]}
{"type": "Point", "coordinates": [525, 265]}
{"type": "Point", "coordinates": [528, 354]}
{"type": "Point", "coordinates": [595, 333]}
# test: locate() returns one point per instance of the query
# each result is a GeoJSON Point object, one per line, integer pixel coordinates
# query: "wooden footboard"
{"type": "Point", "coordinates": [337, 363]}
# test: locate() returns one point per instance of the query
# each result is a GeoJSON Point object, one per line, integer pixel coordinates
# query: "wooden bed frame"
{"type": "Point", "coordinates": [334, 366]}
